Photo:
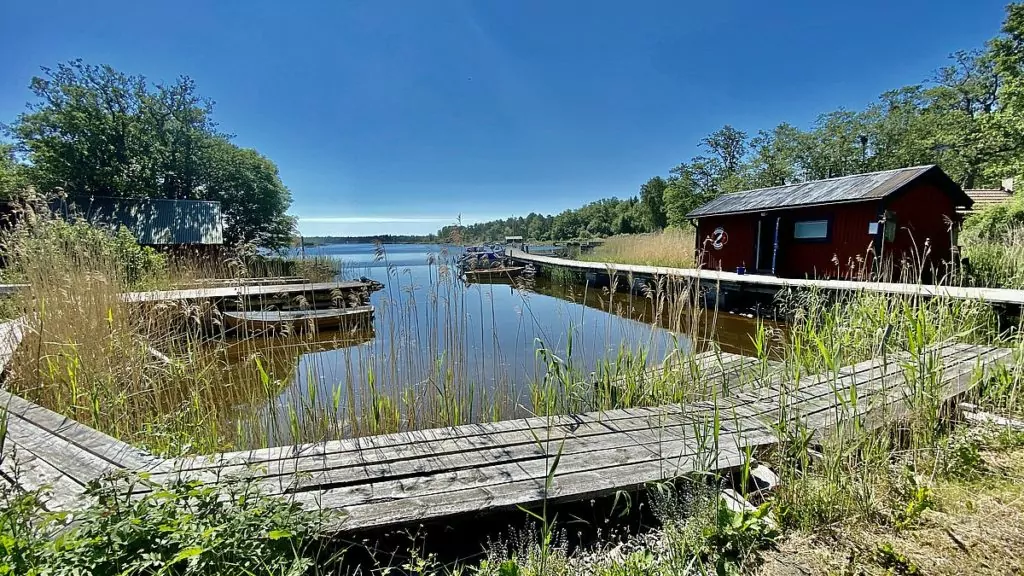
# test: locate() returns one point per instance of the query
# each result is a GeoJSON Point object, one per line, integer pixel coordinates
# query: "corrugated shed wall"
{"type": "Point", "coordinates": [152, 221]}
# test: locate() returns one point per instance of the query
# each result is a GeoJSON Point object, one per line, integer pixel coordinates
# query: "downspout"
{"type": "Point", "coordinates": [775, 246]}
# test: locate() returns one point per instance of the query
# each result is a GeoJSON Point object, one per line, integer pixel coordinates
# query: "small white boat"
{"type": "Point", "coordinates": [299, 320]}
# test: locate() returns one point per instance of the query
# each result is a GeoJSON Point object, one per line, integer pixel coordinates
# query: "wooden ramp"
{"type": "Point", "coordinates": [395, 479]}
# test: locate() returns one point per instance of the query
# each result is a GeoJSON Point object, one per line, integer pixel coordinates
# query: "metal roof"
{"type": "Point", "coordinates": [845, 189]}
{"type": "Point", "coordinates": [154, 221]}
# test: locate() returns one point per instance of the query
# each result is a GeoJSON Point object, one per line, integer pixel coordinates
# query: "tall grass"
{"type": "Point", "coordinates": [996, 261]}
{"type": "Point", "coordinates": [671, 248]}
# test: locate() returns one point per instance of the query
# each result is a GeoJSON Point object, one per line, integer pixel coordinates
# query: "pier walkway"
{"type": "Point", "coordinates": [761, 282]}
{"type": "Point", "coordinates": [395, 479]}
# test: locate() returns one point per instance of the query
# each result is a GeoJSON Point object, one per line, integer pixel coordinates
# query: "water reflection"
{"type": "Point", "coordinates": [730, 332]}
{"type": "Point", "coordinates": [446, 351]}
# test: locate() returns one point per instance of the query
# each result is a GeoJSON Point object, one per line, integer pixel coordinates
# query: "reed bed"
{"type": "Point", "coordinates": [671, 248]}
{"type": "Point", "coordinates": [996, 262]}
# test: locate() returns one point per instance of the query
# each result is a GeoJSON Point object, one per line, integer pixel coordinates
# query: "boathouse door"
{"type": "Point", "coordinates": [767, 247]}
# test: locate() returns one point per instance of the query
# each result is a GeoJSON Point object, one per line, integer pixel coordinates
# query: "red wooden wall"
{"type": "Point", "coordinates": [921, 214]}
{"type": "Point", "coordinates": [738, 251]}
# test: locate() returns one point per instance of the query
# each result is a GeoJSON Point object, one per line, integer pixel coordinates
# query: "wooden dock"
{"type": "Point", "coordinates": [771, 284]}
{"type": "Point", "coordinates": [395, 479]}
{"type": "Point", "coordinates": [252, 291]}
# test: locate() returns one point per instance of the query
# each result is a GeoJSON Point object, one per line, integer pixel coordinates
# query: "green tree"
{"type": "Point", "coordinates": [253, 198]}
{"type": "Point", "coordinates": [652, 197]}
{"type": "Point", "coordinates": [774, 156]}
{"type": "Point", "coordinates": [96, 131]}
{"type": "Point", "coordinates": [728, 146]}
{"type": "Point", "coordinates": [13, 175]}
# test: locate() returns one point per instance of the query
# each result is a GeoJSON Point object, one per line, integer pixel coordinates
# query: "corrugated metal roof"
{"type": "Point", "coordinates": [984, 198]}
{"type": "Point", "coordinates": [854, 188]}
{"type": "Point", "coordinates": [154, 221]}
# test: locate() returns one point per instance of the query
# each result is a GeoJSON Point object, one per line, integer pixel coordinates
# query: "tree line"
{"type": "Point", "coordinates": [95, 131]}
{"type": "Point", "coordinates": [968, 118]}
{"type": "Point", "coordinates": [309, 241]}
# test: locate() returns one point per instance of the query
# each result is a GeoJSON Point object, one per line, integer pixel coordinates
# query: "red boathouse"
{"type": "Point", "coordinates": [838, 227]}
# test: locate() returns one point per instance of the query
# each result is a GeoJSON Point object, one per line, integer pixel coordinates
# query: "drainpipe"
{"type": "Point", "coordinates": [775, 246]}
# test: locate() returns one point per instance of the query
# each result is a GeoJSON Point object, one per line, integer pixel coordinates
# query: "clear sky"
{"type": "Point", "coordinates": [397, 116]}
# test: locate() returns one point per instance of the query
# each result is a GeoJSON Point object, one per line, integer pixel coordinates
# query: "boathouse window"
{"type": "Point", "coordinates": [810, 230]}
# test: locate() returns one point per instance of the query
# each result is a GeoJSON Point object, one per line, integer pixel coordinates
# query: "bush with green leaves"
{"type": "Point", "coordinates": [178, 529]}
{"type": "Point", "coordinates": [992, 222]}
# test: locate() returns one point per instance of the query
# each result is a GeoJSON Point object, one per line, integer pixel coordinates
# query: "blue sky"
{"type": "Point", "coordinates": [396, 117]}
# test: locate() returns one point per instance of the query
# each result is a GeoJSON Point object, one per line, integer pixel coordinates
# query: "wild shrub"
{"type": "Point", "coordinates": [40, 244]}
{"type": "Point", "coordinates": [178, 529]}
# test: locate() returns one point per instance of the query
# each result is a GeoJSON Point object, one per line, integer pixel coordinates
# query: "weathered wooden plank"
{"type": "Point", "coordinates": [89, 439]}
{"type": "Point", "coordinates": [415, 458]}
{"type": "Point", "coordinates": [379, 481]}
{"type": "Point", "coordinates": [890, 404]}
{"type": "Point", "coordinates": [639, 431]}
{"type": "Point", "coordinates": [11, 333]}
{"type": "Point", "coordinates": [80, 465]}
{"type": "Point", "coordinates": [243, 291]}
{"type": "Point", "coordinates": [529, 492]}
{"type": "Point", "coordinates": [30, 473]}
{"type": "Point", "coordinates": [489, 444]}
{"type": "Point", "coordinates": [825, 391]}
{"type": "Point", "coordinates": [527, 428]}
{"type": "Point", "coordinates": [812, 415]}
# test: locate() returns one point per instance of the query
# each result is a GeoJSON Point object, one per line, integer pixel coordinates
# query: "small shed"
{"type": "Point", "coordinates": [839, 227]}
{"type": "Point", "coordinates": [513, 240]}
{"type": "Point", "coordinates": [159, 222]}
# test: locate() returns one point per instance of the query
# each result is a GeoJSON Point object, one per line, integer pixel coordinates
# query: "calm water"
{"type": "Point", "coordinates": [431, 328]}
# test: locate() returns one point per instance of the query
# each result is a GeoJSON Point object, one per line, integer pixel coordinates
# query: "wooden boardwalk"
{"type": "Point", "coordinates": [763, 282]}
{"type": "Point", "coordinates": [395, 479]}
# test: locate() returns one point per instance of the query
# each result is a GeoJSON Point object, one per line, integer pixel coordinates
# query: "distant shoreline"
{"type": "Point", "coordinates": [313, 241]}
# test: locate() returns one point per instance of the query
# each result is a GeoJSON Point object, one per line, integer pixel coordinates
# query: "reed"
{"type": "Point", "coordinates": [671, 248]}
{"type": "Point", "coordinates": [996, 262]}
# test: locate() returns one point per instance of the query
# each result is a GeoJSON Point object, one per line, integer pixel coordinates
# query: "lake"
{"type": "Point", "coordinates": [464, 352]}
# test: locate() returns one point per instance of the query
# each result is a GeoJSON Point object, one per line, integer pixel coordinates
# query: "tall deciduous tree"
{"type": "Point", "coordinates": [652, 198]}
{"type": "Point", "coordinates": [96, 131]}
{"type": "Point", "coordinates": [253, 198]}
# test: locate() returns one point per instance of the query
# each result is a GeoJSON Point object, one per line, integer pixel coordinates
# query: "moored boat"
{"type": "Point", "coordinates": [298, 320]}
{"type": "Point", "coordinates": [510, 271]}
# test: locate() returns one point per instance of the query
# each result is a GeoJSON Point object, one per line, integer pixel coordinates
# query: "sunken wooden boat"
{"type": "Point", "coordinates": [504, 271]}
{"type": "Point", "coordinates": [298, 320]}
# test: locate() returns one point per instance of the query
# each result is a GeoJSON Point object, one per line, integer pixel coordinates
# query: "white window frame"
{"type": "Point", "coordinates": [818, 229]}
